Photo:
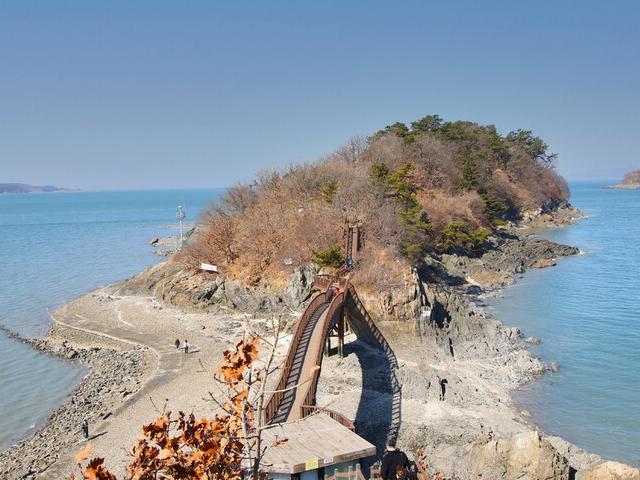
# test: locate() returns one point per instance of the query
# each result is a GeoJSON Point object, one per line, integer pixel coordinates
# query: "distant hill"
{"type": "Point", "coordinates": [24, 188]}
{"type": "Point", "coordinates": [630, 181]}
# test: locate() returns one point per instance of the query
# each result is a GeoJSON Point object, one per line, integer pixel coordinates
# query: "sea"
{"type": "Point", "coordinates": [55, 247]}
{"type": "Point", "coordinates": [586, 311]}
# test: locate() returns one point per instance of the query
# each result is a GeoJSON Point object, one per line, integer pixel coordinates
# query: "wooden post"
{"type": "Point", "coordinates": [354, 243]}
{"type": "Point", "coordinates": [341, 336]}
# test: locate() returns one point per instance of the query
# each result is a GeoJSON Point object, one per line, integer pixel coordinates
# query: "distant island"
{"type": "Point", "coordinates": [24, 188]}
{"type": "Point", "coordinates": [631, 181]}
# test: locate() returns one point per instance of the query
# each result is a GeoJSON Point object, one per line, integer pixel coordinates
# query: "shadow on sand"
{"type": "Point", "coordinates": [378, 415]}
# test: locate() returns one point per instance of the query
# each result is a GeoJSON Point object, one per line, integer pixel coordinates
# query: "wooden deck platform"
{"type": "Point", "coordinates": [314, 442]}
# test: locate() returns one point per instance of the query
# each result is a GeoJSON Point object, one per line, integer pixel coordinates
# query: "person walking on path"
{"type": "Point", "coordinates": [177, 343]}
{"type": "Point", "coordinates": [394, 462]}
{"type": "Point", "coordinates": [85, 428]}
{"type": "Point", "coordinates": [186, 346]}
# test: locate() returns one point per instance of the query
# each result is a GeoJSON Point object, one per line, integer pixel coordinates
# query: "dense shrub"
{"type": "Point", "coordinates": [457, 236]}
{"type": "Point", "coordinates": [330, 257]}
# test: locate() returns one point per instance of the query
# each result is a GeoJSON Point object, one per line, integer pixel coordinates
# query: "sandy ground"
{"type": "Point", "coordinates": [178, 381]}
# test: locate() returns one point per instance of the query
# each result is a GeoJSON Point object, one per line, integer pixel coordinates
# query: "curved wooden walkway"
{"type": "Point", "coordinates": [295, 395]}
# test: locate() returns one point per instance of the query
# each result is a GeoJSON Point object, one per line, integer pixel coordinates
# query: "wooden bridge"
{"type": "Point", "coordinates": [295, 394]}
{"type": "Point", "coordinates": [331, 311]}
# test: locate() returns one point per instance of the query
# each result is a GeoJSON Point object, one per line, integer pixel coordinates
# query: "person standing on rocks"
{"type": "Point", "coordinates": [177, 343]}
{"type": "Point", "coordinates": [186, 346]}
{"type": "Point", "coordinates": [394, 462]}
{"type": "Point", "coordinates": [443, 388]}
{"type": "Point", "coordinates": [85, 429]}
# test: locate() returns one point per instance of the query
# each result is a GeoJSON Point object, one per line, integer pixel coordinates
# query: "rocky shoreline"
{"type": "Point", "coordinates": [436, 325]}
{"type": "Point", "coordinates": [116, 371]}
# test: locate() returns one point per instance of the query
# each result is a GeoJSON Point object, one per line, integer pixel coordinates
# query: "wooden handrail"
{"type": "Point", "coordinates": [338, 278]}
{"type": "Point", "coordinates": [312, 386]}
{"type": "Point", "coordinates": [307, 390]}
{"type": "Point", "coordinates": [337, 416]}
{"type": "Point", "coordinates": [272, 405]}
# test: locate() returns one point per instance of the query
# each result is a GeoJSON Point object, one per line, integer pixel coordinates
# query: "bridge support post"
{"type": "Point", "coordinates": [341, 322]}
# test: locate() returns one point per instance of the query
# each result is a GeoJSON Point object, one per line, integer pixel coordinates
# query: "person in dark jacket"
{"type": "Point", "coordinates": [394, 461]}
{"type": "Point", "coordinates": [85, 428]}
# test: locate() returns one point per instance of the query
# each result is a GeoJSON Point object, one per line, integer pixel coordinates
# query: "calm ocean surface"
{"type": "Point", "coordinates": [586, 310]}
{"type": "Point", "coordinates": [55, 247]}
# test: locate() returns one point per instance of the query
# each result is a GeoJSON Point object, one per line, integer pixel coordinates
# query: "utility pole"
{"type": "Point", "coordinates": [180, 217]}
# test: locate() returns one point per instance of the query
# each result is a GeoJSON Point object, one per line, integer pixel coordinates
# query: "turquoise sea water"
{"type": "Point", "coordinates": [586, 310]}
{"type": "Point", "coordinates": [55, 247]}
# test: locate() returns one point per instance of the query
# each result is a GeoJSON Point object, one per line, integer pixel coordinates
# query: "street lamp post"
{"type": "Point", "coordinates": [180, 217]}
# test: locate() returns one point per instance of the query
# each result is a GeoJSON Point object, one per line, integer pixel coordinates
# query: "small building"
{"type": "Point", "coordinates": [316, 447]}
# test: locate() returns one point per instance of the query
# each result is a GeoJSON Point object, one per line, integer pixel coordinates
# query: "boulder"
{"type": "Point", "coordinates": [544, 263]}
{"type": "Point", "coordinates": [299, 288]}
{"type": "Point", "coordinates": [608, 470]}
{"type": "Point", "coordinates": [520, 456]}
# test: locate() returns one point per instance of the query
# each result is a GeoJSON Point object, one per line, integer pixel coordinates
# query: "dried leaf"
{"type": "Point", "coordinates": [165, 453]}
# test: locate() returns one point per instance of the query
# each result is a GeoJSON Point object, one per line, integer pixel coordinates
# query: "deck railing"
{"type": "Point", "coordinates": [364, 326]}
{"type": "Point", "coordinates": [337, 416]}
{"type": "Point", "coordinates": [339, 279]}
{"type": "Point", "coordinates": [271, 407]}
{"type": "Point", "coordinates": [311, 388]}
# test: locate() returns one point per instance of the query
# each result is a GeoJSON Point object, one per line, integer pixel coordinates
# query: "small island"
{"type": "Point", "coordinates": [24, 188]}
{"type": "Point", "coordinates": [631, 181]}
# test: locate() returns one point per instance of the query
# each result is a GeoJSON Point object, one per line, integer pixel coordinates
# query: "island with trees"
{"type": "Point", "coordinates": [25, 188]}
{"type": "Point", "coordinates": [631, 181]}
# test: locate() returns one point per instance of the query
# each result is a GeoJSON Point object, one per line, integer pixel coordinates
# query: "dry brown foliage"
{"type": "Point", "coordinates": [258, 232]}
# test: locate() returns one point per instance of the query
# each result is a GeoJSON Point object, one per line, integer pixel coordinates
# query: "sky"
{"type": "Point", "coordinates": [158, 94]}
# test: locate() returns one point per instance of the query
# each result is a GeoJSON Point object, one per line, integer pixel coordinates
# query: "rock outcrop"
{"type": "Point", "coordinates": [117, 371]}
{"type": "Point", "coordinates": [524, 456]}
{"type": "Point", "coordinates": [453, 346]}
{"type": "Point", "coordinates": [609, 471]}
{"type": "Point", "coordinates": [186, 287]}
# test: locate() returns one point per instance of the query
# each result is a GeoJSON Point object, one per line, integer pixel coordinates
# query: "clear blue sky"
{"type": "Point", "coordinates": [157, 94]}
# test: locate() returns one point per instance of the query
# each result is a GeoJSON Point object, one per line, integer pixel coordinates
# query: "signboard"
{"type": "Point", "coordinates": [208, 267]}
{"type": "Point", "coordinates": [311, 464]}
{"type": "Point", "coordinates": [327, 461]}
